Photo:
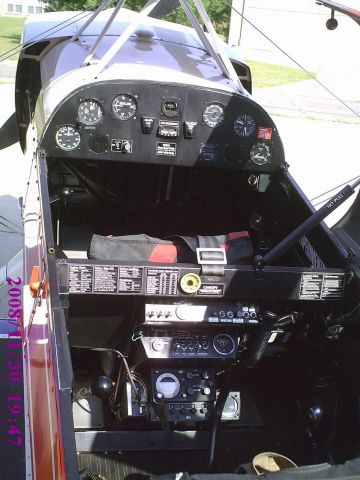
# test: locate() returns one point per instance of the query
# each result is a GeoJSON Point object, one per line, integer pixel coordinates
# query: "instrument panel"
{"type": "Point", "coordinates": [143, 122]}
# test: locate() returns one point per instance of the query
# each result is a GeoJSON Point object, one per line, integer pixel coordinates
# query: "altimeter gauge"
{"type": "Point", "coordinates": [67, 138]}
{"type": "Point", "coordinates": [260, 153]}
{"type": "Point", "coordinates": [124, 106]}
{"type": "Point", "coordinates": [90, 112]}
{"type": "Point", "coordinates": [213, 115]}
{"type": "Point", "coordinates": [244, 125]}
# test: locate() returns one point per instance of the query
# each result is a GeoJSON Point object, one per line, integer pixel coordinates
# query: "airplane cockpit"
{"type": "Point", "coordinates": [167, 192]}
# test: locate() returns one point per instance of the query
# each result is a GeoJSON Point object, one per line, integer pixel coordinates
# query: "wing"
{"type": "Point", "coordinates": [337, 7]}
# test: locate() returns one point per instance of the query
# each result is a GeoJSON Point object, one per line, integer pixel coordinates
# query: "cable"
{"type": "Point", "coordinates": [309, 74]}
{"type": "Point", "coordinates": [218, 409]}
{"type": "Point", "coordinates": [329, 191]}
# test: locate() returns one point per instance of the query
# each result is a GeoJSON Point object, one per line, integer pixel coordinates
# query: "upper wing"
{"type": "Point", "coordinates": [351, 12]}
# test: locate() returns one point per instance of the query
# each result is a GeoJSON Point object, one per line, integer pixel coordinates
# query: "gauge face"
{"type": "Point", "coordinates": [90, 112]}
{"type": "Point", "coordinates": [213, 115]}
{"type": "Point", "coordinates": [124, 106]}
{"type": "Point", "coordinates": [67, 138]}
{"type": "Point", "coordinates": [260, 153]}
{"type": "Point", "coordinates": [168, 385]}
{"type": "Point", "coordinates": [244, 125]}
{"type": "Point", "coordinates": [224, 344]}
{"type": "Point", "coordinates": [231, 408]}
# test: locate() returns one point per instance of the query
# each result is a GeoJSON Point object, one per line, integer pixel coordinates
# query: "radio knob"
{"type": "Point", "coordinates": [222, 313]}
{"type": "Point", "coordinates": [126, 147]}
{"type": "Point", "coordinates": [206, 375]}
{"type": "Point", "coordinates": [230, 314]}
{"type": "Point", "coordinates": [206, 391]}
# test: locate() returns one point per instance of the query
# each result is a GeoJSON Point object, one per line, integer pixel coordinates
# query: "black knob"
{"type": "Point", "coordinates": [102, 387]}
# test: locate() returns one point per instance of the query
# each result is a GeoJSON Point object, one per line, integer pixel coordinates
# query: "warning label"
{"type": "Point", "coordinates": [169, 123]}
{"type": "Point", "coordinates": [130, 279]}
{"type": "Point", "coordinates": [164, 148]}
{"type": "Point", "coordinates": [333, 286]}
{"type": "Point", "coordinates": [318, 286]}
{"type": "Point", "coordinates": [161, 281]}
{"type": "Point", "coordinates": [210, 289]}
{"type": "Point", "coordinates": [80, 279]}
{"type": "Point", "coordinates": [105, 279]}
{"type": "Point", "coordinates": [109, 279]}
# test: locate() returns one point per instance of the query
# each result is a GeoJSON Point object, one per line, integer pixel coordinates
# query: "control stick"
{"type": "Point", "coordinates": [306, 226]}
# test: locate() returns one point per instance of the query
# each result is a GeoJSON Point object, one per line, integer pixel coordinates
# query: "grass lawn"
{"type": "Point", "coordinates": [269, 75]}
{"type": "Point", "coordinates": [10, 34]}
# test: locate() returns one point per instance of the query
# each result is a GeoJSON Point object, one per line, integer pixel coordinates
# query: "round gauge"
{"type": "Point", "coordinates": [231, 407]}
{"type": "Point", "coordinates": [67, 138]}
{"type": "Point", "coordinates": [224, 344]}
{"type": "Point", "coordinates": [124, 106]}
{"type": "Point", "coordinates": [260, 153]}
{"type": "Point", "coordinates": [168, 385]}
{"type": "Point", "coordinates": [244, 125]}
{"type": "Point", "coordinates": [213, 115]}
{"type": "Point", "coordinates": [90, 112]}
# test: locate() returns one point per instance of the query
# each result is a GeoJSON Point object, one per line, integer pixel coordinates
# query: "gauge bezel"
{"type": "Point", "coordinates": [132, 97]}
{"type": "Point", "coordinates": [176, 382]}
{"type": "Point", "coordinates": [218, 124]}
{"type": "Point", "coordinates": [99, 104]}
{"type": "Point", "coordinates": [224, 335]}
{"type": "Point", "coordinates": [244, 135]}
{"type": "Point", "coordinates": [267, 146]}
{"type": "Point", "coordinates": [64, 149]}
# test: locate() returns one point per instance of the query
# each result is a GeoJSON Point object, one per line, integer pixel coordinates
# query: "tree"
{"type": "Point", "coordinates": [218, 11]}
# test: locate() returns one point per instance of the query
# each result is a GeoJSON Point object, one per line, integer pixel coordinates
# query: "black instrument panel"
{"type": "Point", "coordinates": [164, 124]}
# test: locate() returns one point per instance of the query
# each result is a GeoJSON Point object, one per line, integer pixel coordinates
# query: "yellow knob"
{"type": "Point", "coordinates": [190, 283]}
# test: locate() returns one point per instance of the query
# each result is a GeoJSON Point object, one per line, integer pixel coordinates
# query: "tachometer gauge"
{"type": "Point", "coordinates": [260, 153]}
{"type": "Point", "coordinates": [67, 138]}
{"type": "Point", "coordinates": [213, 115]}
{"type": "Point", "coordinates": [124, 106]}
{"type": "Point", "coordinates": [244, 125]}
{"type": "Point", "coordinates": [90, 112]}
